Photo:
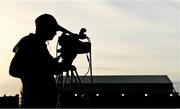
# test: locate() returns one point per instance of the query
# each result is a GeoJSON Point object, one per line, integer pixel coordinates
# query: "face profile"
{"type": "Point", "coordinates": [49, 34]}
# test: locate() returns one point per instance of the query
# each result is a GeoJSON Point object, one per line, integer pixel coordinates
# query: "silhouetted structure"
{"type": "Point", "coordinates": [9, 101]}
{"type": "Point", "coordinates": [123, 91]}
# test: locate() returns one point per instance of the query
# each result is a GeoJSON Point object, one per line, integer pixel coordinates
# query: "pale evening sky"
{"type": "Point", "coordinates": [129, 37]}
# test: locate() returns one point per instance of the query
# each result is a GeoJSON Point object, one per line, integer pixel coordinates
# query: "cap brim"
{"type": "Point", "coordinates": [59, 28]}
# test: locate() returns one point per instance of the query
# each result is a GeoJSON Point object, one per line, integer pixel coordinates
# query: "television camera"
{"type": "Point", "coordinates": [71, 45]}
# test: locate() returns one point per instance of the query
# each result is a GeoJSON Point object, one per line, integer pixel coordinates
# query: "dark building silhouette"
{"type": "Point", "coordinates": [9, 101]}
{"type": "Point", "coordinates": [132, 91]}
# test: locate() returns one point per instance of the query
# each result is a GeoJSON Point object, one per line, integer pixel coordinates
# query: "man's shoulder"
{"type": "Point", "coordinates": [25, 42]}
{"type": "Point", "coordinates": [28, 38]}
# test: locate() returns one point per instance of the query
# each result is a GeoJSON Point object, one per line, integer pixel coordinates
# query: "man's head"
{"type": "Point", "coordinates": [46, 26]}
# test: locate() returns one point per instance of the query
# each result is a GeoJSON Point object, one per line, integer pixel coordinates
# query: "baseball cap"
{"type": "Point", "coordinates": [47, 21]}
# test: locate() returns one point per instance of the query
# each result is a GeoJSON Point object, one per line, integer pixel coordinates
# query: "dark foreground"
{"type": "Point", "coordinates": [114, 100]}
{"type": "Point", "coordinates": [106, 100]}
{"type": "Point", "coordinates": [132, 91]}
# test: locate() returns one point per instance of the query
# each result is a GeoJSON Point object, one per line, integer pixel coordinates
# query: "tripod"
{"type": "Point", "coordinates": [70, 47]}
{"type": "Point", "coordinates": [74, 80]}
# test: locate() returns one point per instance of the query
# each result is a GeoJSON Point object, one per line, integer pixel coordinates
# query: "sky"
{"type": "Point", "coordinates": [129, 37]}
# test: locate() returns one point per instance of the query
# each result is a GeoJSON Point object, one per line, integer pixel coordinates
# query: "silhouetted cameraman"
{"type": "Point", "coordinates": [34, 65]}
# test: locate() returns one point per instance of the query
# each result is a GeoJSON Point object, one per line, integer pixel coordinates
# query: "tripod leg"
{"type": "Point", "coordinates": [59, 87]}
{"type": "Point", "coordinates": [77, 76]}
{"type": "Point", "coordinates": [73, 77]}
{"type": "Point", "coordinates": [61, 80]}
{"type": "Point", "coordinates": [84, 95]}
{"type": "Point", "coordinates": [67, 75]}
{"type": "Point", "coordinates": [58, 101]}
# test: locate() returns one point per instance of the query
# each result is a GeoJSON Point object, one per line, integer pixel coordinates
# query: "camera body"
{"type": "Point", "coordinates": [71, 45]}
